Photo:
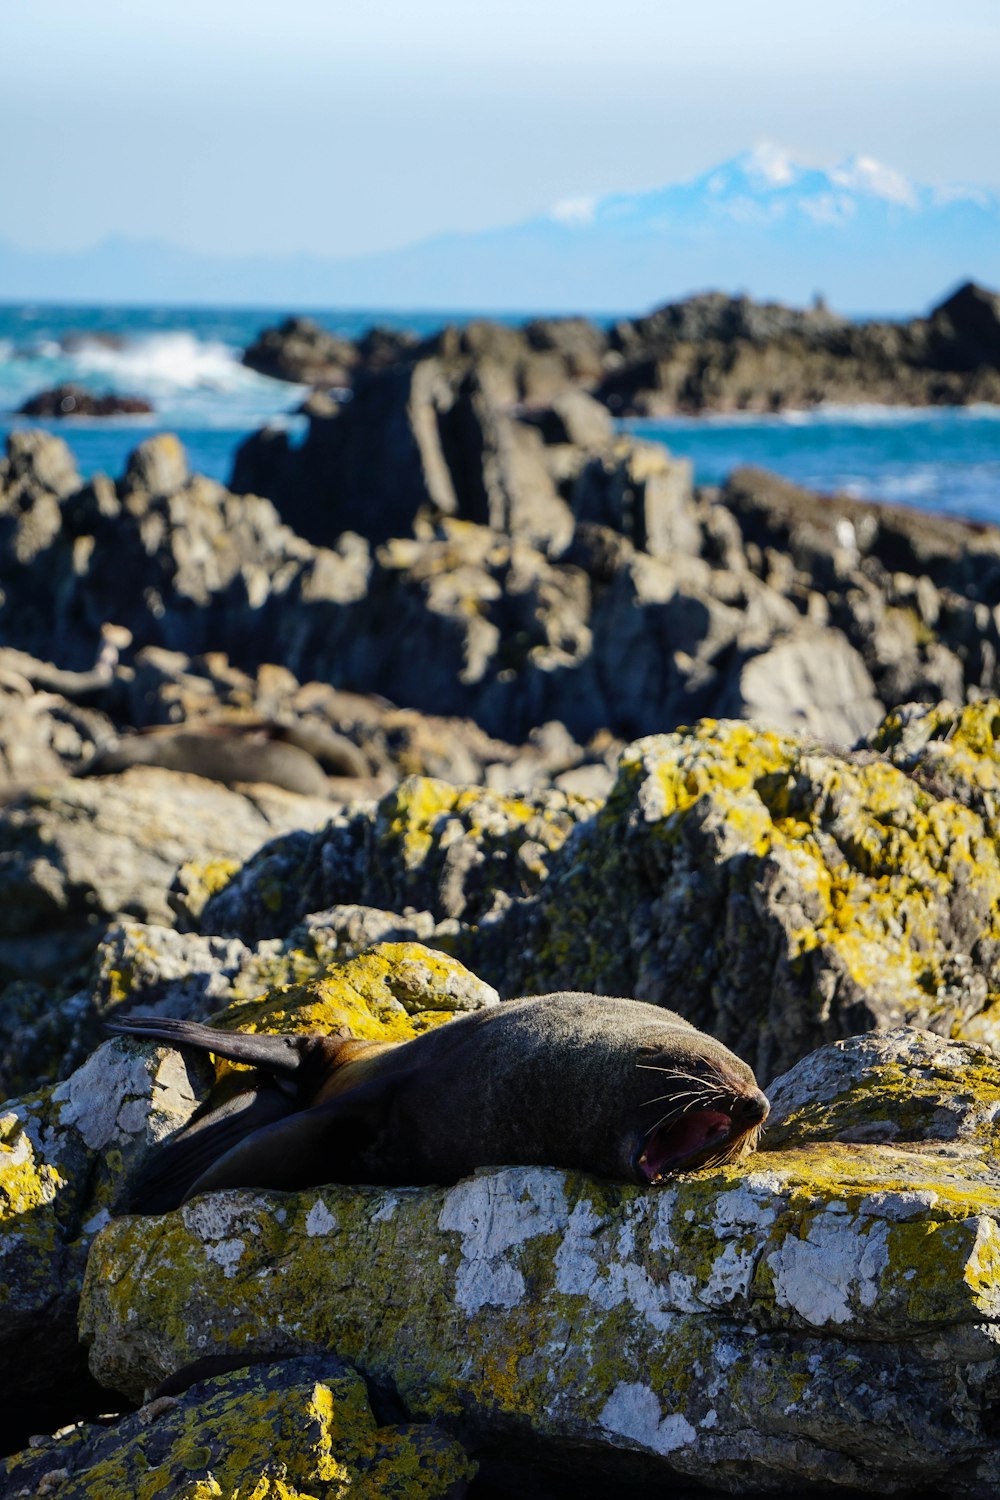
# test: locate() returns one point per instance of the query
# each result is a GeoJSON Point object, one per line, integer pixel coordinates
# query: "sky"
{"type": "Point", "coordinates": [337, 128]}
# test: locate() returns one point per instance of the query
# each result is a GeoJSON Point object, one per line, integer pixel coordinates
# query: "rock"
{"type": "Point", "coordinates": [36, 461]}
{"type": "Point", "coordinates": [602, 593]}
{"type": "Point", "coordinates": [890, 1086]}
{"type": "Point", "coordinates": [718, 353]}
{"type": "Point", "coordinates": [75, 401]}
{"type": "Point", "coordinates": [639, 491]}
{"type": "Point", "coordinates": [300, 1427]}
{"type": "Point", "coordinates": [966, 327]}
{"type": "Point", "coordinates": [80, 854]}
{"type": "Point", "coordinates": [136, 964]}
{"type": "Point", "coordinates": [420, 437]}
{"type": "Point", "coordinates": [890, 576]}
{"type": "Point", "coordinates": [777, 893]}
{"type": "Point", "coordinates": [814, 683]}
{"type": "Point", "coordinates": [710, 352]}
{"type": "Point", "coordinates": [42, 735]}
{"type": "Point", "coordinates": [62, 1155]}
{"type": "Point", "coordinates": [299, 350]}
{"type": "Point", "coordinates": [697, 1334]}
{"type": "Point", "coordinates": [158, 466]}
{"type": "Point", "coordinates": [573, 417]}
{"type": "Point", "coordinates": [582, 344]}
{"type": "Point", "coordinates": [427, 847]}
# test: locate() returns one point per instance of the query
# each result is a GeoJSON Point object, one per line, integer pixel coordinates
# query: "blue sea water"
{"type": "Point", "coordinates": [187, 363]}
{"type": "Point", "coordinates": [939, 458]}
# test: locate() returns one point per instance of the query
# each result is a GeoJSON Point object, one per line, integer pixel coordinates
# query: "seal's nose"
{"type": "Point", "coordinates": [753, 1109]}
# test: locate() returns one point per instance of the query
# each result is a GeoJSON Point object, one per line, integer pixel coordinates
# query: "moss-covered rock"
{"type": "Point", "coordinates": [460, 853]}
{"type": "Point", "coordinates": [154, 969]}
{"type": "Point", "coordinates": [825, 1314]}
{"type": "Point", "coordinates": [778, 894]}
{"type": "Point", "coordinates": [900, 1085]}
{"type": "Point", "coordinates": [63, 1153]}
{"type": "Point", "coordinates": [300, 1430]}
{"type": "Point", "coordinates": [391, 992]}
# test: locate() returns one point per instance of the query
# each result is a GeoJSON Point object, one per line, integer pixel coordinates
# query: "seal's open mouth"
{"type": "Point", "coordinates": [698, 1137]}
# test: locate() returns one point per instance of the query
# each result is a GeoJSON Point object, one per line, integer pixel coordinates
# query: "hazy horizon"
{"type": "Point", "coordinates": [237, 129]}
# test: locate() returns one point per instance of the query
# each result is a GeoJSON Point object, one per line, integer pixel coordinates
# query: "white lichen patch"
{"type": "Point", "coordinates": [577, 1258]}
{"type": "Point", "coordinates": [97, 1223]}
{"type": "Point", "coordinates": [93, 1097]}
{"type": "Point", "coordinates": [495, 1213]}
{"type": "Point", "coordinates": [319, 1219]}
{"type": "Point", "coordinates": [633, 1411]}
{"type": "Point", "coordinates": [118, 1093]}
{"type": "Point", "coordinates": [227, 1254]}
{"type": "Point", "coordinates": [837, 1267]}
{"type": "Point", "coordinates": [221, 1221]}
{"type": "Point", "coordinates": [748, 1208]}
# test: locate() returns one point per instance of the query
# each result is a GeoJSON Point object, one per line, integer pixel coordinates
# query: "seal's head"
{"type": "Point", "coordinates": [701, 1111]}
{"type": "Point", "coordinates": [613, 1086]}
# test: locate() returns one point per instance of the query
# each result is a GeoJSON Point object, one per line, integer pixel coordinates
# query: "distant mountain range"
{"type": "Point", "coordinates": [861, 235]}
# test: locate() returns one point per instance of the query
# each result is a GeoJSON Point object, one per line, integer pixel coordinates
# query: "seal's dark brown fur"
{"type": "Point", "coordinates": [616, 1087]}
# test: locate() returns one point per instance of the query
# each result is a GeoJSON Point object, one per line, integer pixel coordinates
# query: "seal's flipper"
{"type": "Point", "coordinates": [329, 1143]}
{"type": "Point", "coordinates": [166, 1179]}
{"type": "Point", "coordinates": [278, 1054]}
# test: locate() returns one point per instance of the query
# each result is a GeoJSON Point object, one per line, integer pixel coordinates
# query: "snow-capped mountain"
{"type": "Point", "coordinates": [861, 234]}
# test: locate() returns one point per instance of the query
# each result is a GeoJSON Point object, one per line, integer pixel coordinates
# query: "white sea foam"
{"type": "Point", "coordinates": [165, 362]}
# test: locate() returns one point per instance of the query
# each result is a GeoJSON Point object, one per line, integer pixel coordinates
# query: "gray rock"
{"type": "Point", "coordinates": [159, 466]}
{"type": "Point", "coordinates": [814, 683]}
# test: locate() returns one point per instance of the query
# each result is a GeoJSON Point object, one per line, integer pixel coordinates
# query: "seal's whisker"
{"type": "Point", "coordinates": [674, 1072]}
{"type": "Point", "coordinates": [712, 1067]}
{"type": "Point", "coordinates": [685, 1094]}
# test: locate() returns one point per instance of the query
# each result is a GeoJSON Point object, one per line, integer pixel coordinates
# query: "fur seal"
{"type": "Point", "coordinates": [616, 1087]}
{"type": "Point", "coordinates": [297, 757]}
{"type": "Point", "coordinates": [229, 754]}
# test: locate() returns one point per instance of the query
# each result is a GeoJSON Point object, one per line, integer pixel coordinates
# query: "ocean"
{"type": "Point", "coordinates": [186, 362]}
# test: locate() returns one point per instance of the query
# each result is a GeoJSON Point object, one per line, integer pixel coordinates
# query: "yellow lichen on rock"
{"type": "Point", "coordinates": [297, 1431]}
{"type": "Point", "coordinates": [391, 992]}
{"type": "Point", "coordinates": [776, 892]}
{"type": "Point", "coordinates": [27, 1183]}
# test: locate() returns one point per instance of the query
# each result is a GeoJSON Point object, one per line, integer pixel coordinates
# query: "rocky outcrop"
{"type": "Point", "coordinates": [696, 1334]}
{"type": "Point", "coordinates": [76, 401]}
{"type": "Point", "coordinates": [423, 439]}
{"type": "Point", "coordinates": [779, 893]}
{"type": "Point", "coordinates": [711, 352]}
{"type": "Point", "coordinates": [718, 353]}
{"type": "Point", "coordinates": [605, 595]}
{"type": "Point", "coordinates": [299, 350]}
